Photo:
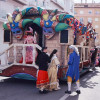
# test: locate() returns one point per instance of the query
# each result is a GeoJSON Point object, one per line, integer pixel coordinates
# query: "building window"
{"type": "Point", "coordinates": [81, 12]}
{"type": "Point", "coordinates": [90, 12]}
{"type": "Point", "coordinates": [7, 36]}
{"type": "Point", "coordinates": [75, 12]}
{"type": "Point", "coordinates": [3, 14]}
{"type": "Point", "coordinates": [97, 12]}
{"type": "Point", "coordinates": [81, 20]}
{"type": "Point", "coordinates": [90, 20]}
{"type": "Point", "coordinates": [96, 19]}
{"type": "Point", "coordinates": [96, 26]}
{"type": "Point", "coordinates": [64, 36]}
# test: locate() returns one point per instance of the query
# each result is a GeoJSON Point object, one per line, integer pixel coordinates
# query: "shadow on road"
{"type": "Point", "coordinates": [86, 80]}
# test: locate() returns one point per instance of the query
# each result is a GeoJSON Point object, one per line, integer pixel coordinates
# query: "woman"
{"type": "Point", "coordinates": [29, 49]}
{"type": "Point", "coordinates": [42, 78]}
{"type": "Point", "coordinates": [52, 73]}
{"type": "Point", "coordinates": [73, 69]}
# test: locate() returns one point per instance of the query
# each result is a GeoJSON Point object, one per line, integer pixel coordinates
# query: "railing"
{"type": "Point", "coordinates": [14, 49]}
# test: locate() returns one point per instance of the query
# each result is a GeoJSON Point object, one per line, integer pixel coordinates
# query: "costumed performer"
{"type": "Point", "coordinates": [52, 73]}
{"type": "Point", "coordinates": [42, 78]}
{"type": "Point", "coordinates": [73, 69]}
{"type": "Point", "coordinates": [30, 39]}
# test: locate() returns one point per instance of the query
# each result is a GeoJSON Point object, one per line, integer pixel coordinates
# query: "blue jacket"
{"type": "Point", "coordinates": [73, 69]}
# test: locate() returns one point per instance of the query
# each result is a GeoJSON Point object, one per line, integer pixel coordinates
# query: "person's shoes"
{"type": "Point", "coordinates": [78, 92]}
{"type": "Point", "coordinates": [68, 92]}
{"type": "Point", "coordinates": [45, 91]}
{"type": "Point", "coordinates": [41, 92]}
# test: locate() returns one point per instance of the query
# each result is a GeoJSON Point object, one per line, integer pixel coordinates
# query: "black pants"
{"type": "Point", "coordinates": [99, 64]}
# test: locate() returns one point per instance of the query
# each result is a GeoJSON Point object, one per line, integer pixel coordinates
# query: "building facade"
{"type": "Point", "coordinates": [7, 6]}
{"type": "Point", "coordinates": [61, 5]}
{"type": "Point", "coordinates": [89, 12]}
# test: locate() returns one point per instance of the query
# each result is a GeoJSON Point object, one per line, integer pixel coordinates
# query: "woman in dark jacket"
{"type": "Point", "coordinates": [42, 61]}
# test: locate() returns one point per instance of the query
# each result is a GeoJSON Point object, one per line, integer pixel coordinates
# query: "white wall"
{"type": "Point", "coordinates": [7, 6]}
{"type": "Point", "coordinates": [67, 5]}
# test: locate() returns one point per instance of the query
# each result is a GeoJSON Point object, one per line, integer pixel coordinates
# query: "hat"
{"type": "Point", "coordinates": [44, 48]}
{"type": "Point", "coordinates": [30, 30]}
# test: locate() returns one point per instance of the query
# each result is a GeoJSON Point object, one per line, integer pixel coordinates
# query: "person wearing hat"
{"type": "Point", "coordinates": [42, 78]}
{"type": "Point", "coordinates": [30, 39]}
{"type": "Point", "coordinates": [73, 69]}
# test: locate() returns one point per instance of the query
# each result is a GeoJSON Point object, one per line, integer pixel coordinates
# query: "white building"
{"type": "Point", "coordinates": [7, 6]}
{"type": "Point", "coordinates": [62, 5]}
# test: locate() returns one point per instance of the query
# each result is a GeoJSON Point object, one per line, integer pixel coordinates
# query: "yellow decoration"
{"type": "Point", "coordinates": [53, 19]}
{"type": "Point", "coordinates": [18, 18]}
{"type": "Point", "coordinates": [9, 16]}
{"type": "Point", "coordinates": [45, 16]}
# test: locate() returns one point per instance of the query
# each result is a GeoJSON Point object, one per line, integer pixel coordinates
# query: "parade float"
{"type": "Point", "coordinates": [54, 29]}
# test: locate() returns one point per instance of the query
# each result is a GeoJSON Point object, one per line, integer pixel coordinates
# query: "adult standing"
{"type": "Point", "coordinates": [93, 58]}
{"type": "Point", "coordinates": [73, 69]}
{"type": "Point", "coordinates": [42, 79]}
{"type": "Point", "coordinates": [52, 73]}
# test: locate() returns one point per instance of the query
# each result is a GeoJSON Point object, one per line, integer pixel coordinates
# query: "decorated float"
{"type": "Point", "coordinates": [51, 28]}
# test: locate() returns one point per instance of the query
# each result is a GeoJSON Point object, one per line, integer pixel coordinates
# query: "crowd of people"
{"type": "Point", "coordinates": [48, 68]}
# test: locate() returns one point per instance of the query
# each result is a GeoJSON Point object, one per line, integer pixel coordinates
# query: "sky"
{"type": "Point", "coordinates": [88, 1]}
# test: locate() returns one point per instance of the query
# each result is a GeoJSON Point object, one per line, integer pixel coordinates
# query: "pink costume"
{"type": "Point", "coordinates": [29, 49]}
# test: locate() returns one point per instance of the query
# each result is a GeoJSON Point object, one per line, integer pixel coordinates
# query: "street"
{"type": "Point", "coordinates": [16, 89]}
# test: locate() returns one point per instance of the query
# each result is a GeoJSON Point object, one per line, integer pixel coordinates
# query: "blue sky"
{"type": "Point", "coordinates": [89, 1]}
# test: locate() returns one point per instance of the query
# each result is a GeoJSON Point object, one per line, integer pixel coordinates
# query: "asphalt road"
{"type": "Point", "coordinates": [16, 89]}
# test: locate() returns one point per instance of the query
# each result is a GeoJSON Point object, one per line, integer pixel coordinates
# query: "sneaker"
{"type": "Point", "coordinates": [68, 92]}
{"type": "Point", "coordinates": [78, 92]}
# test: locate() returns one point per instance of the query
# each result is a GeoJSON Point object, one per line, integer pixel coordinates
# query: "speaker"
{"type": "Point", "coordinates": [64, 36]}
{"type": "Point", "coordinates": [7, 36]}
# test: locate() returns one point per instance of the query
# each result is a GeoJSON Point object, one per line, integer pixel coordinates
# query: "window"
{"type": "Point", "coordinates": [90, 12]}
{"type": "Point", "coordinates": [81, 20]}
{"type": "Point", "coordinates": [7, 36]}
{"type": "Point", "coordinates": [64, 36]}
{"type": "Point", "coordinates": [81, 12]}
{"type": "Point", "coordinates": [90, 20]}
{"type": "Point", "coordinates": [96, 19]}
{"type": "Point", "coordinates": [85, 6]}
{"type": "Point", "coordinates": [96, 26]}
{"type": "Point", "coordinates": [97, 12]}
{"type": "Point", "coordinates": [3, 14]}
{"type": "Point", "coordinates": [75, 12]}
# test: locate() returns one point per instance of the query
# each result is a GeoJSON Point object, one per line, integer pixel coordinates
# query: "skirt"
{"type": "Point", "coordinates": [42, 79]}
